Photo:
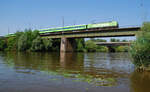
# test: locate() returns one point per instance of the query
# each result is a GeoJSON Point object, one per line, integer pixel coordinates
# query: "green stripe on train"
{"type": "Point", "coordinates": [106, 24]}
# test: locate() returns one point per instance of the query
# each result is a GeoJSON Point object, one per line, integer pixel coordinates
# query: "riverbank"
{"type": "Point", "coordinates": [140, 49]}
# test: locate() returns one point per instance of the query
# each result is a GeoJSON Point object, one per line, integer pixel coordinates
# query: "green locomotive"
{"type": "Point", "coordinates": [112, 24]}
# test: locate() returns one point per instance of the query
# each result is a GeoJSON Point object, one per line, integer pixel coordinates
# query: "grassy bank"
{"type": "Point", "coordinates": [140, 49]}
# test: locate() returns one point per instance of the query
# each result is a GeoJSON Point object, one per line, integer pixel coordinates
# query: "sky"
{"type": "Point", "coordinates": [40, 14]}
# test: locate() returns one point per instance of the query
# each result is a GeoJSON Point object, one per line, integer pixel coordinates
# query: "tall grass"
{"type": "Point", "coordinates": [140, 49]}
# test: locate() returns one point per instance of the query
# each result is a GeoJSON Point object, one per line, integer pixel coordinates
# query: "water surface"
{"type": "Point", "coordinates": [70, 72]}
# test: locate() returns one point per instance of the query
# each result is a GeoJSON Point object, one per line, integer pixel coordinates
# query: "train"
{"type": "Point", "coordinates": [111, 24]}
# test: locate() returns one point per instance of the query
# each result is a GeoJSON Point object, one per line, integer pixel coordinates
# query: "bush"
{"type": "Point", "coordinates": [80, 45]}
{"type": "Point", "coordinates": [122, 49]}
{"type": "Point", "coordinates": [56, 44]}
{"type": "Point", "coordinates": [37, 44]}
{"type": "Point", "coordinates": [47, 44]}
{"type": "Point", "coordinates": [22, 43]}
{"type": "Point", "coordinates": [25, 39]}
{"type": "Point", "coordinates": [114, 40]}
{"type": "Point", "coordinates": [11, 43]}
{"type": "Point", "coordinates": [29, 40]}
{"type": "Point", "coordinates": [98, 40]}
{"type": "Point", "coordinates": [2, 44]}
{"type": "Point", "coordinates": [140, 49]}
{"type": "Point", "coordinates": [102, 49]}
{"type": "Point", "coordinates": [90, 46]}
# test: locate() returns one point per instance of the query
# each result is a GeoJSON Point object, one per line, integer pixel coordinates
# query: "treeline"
{"type": "Point", "coordinates": [28, 41]}
{"type": "Point", "coordinates": [31, 41]}
{"type": "Point", "coordinates": [90, 46]}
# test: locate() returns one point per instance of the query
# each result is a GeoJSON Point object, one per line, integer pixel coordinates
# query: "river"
{"type": "Point", "coordinates": [70, 72]}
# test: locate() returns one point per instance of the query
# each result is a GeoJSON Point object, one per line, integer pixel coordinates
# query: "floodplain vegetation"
{"type": "Point", "coordinates": [140, 49]}
{"type": "Point", "coordinates": [30, 40]}
{"type": "Point", "coordinates": [90, 46]}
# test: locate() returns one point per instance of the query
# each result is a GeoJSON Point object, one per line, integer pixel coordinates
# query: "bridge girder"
{"type": "Point", "coordinates": [116, 32]}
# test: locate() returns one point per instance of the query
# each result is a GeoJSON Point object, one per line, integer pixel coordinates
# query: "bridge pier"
{"type": "Point", "coordinates": [67, 44]}
{"type": "Point", "coordinates": [110, 49]}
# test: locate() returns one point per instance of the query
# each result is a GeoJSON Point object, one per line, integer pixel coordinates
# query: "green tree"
{"type": "Point", "coordinates": [22, 42]}
{"type": "Point", "coordinates": [11, 43]}
{"type": "Point", "coordinates": [25, 39]}
{"type": "Point", "coordinates": [121, 49]}
{"type": "Point", "coordinates": [47, 44]}
{"type": "Point", "coordinates": [102, 49]}
{"type": "Point", "coordinates": [56, 44]}
{"type": "Point", "coordinates": [80, 45]}
{"type": "Point", "coordinates": [124, 40]}
{"type": "Point", "coordinates": [90, 46]}
{"type": "Point", "coordinates": [35, 34]}
{"type": "Point", "coordinates": [2, 44]}
{"type": "Point", "coordinates": [140, 49]}
{"type": "Point", "coordinates": [28, 33]}
{"type": "Point", "coordinates": [114, 40]}
{"type": "Point", "coordinates": [92, 39]}
{"type": "Point", "coordinates": [37, 44]}
{"type": "Point", "coordinates": [100, 40]}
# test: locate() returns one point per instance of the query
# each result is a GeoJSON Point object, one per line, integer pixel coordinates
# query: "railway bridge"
{"type": "Point", "coordinates": [110, 44]}
{"type": "Point", "coordinates": [68, 37]}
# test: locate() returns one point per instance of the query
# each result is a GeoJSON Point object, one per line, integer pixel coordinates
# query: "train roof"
{"type": "Point", "coordinates": [61, 27]}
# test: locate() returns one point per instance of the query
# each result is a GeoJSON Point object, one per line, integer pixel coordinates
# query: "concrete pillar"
{"type": "Point", "coordinates": [67, 45]}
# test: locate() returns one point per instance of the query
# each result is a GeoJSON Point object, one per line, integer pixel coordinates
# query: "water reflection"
{"type": "Point", "coordinates": [89, 66]}
{"type": "Point", "coordinates": [140, 81]}
{"type": "Point", "coordinates": [96, 69]}
{"type": "Point", "coordinates": [72, 60]}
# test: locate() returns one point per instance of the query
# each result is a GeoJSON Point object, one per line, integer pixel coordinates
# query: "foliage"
{"type": "Point", "coordinates": [30, 40]}
{"type": "Point", "coordinates": [18, 34]}
{"type": "Point", "coordinates": [140, 49]}
{"type": "Point", "coordinates": [11, 43]}
{"type": "Point", "coordinates": [47, 44]}
{"type": "Point", "coordinates": [25, 39]}
{"type": "Point", "coordinates": [98, 40]}
{"type": "Point", "coordinates": [37, 44]}
{"type": "Point", "coordinates": [80, 45]}
{"type": "Point", "coordinates": [90, 46]}
{"type": "Point", "coordinates": [30, 37]}
{"type": "Point", "coordinates": [124, 41]}
{"type": "Point", "coordinates": [114, 40]}
{"type": "Point", "coordinates": [121, 49]}
{"type": "Point", "coordinates": [22, 42]}
{"type": "Point", "coordinates": [2, 44]}
{"type": "Point", "coordinates": [56, 44]}
{"type": "Point", "coordinates": [102, 49]}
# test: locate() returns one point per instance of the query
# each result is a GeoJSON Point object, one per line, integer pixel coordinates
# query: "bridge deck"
{"type": "Point", "coordinates": [97, 32]}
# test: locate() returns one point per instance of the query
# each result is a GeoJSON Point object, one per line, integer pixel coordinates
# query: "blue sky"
{"type": "Point", "coordinates": [37, 14]}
